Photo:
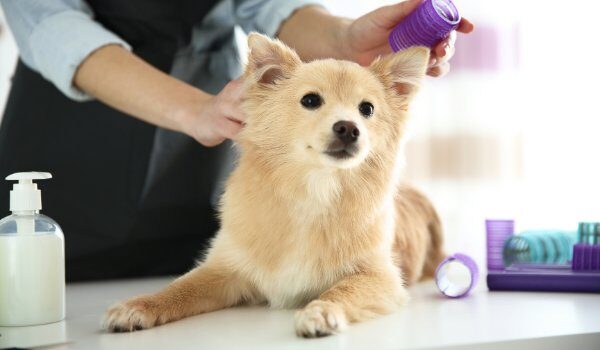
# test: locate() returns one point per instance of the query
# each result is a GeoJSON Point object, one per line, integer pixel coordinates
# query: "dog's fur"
{"type": "Point", "coordinates": [300, 228]}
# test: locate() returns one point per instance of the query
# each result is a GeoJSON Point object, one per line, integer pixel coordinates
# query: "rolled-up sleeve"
{"type": "Point", "coordinates": [266, 16]}
{"type": "Point", "coordinates": [55, 36]}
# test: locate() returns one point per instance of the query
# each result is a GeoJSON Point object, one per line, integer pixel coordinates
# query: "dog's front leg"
{"type": "Point", "coordinates": [355, 298]}
{"type": "Point", "coordinates": [204, 289]}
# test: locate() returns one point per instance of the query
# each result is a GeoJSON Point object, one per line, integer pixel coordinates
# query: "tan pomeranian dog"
{"type": "Point", "coordinates": [313, 216]}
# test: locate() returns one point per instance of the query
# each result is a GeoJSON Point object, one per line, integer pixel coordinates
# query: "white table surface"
{"type": "Point", "coordinates": [483, 320]}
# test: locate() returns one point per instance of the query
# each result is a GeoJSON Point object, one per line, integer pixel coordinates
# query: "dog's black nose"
{"type": "Point", "coordinates": [346, 131]}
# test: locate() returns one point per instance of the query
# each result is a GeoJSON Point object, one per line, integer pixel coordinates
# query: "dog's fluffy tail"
{"type": "Point", "coordinates": [419, 237]}
{"type": "Point", "coordinates": [435, 253]}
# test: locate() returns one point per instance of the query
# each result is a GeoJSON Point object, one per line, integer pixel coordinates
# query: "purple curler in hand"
{"type": "Point", "coordinates": [430, 23]}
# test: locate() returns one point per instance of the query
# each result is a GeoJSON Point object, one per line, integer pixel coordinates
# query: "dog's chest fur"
{"type": "Point", "coordinates": [297, 278]}
{"type": "Point", "coordinates": [295, 263]}
{"type": "Point", "coordinates": [292, 257]}
{"type": "Point", "coordinates": [296, 268]}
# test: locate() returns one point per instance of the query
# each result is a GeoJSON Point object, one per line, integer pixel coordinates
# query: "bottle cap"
{"type": "Point", "coordinates": [457, 275]}
{"type": "Point", "coordinates": [25, 195]}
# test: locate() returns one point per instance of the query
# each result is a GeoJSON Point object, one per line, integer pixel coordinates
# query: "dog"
{"type": "Point", "coordinates": [313, 216]}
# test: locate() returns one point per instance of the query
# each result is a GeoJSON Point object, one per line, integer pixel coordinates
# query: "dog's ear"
{"type": "Point", "coordinates": [269, 60]}
{"type": "Point", "coordinates": [402, 71]}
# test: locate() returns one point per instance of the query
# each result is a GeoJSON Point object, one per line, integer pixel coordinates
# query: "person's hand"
{"type": "Point", "coordinates": [217, 118]}
{"type": "Point", "coordinates": [367, 37]}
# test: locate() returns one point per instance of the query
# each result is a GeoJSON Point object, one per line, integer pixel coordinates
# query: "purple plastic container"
{"type": "Point", "coordinates": [427, 25]}
{"type": "Point", "coordinates": [498, 231]}
{"type": "Point", "coordinates": [544, 279]}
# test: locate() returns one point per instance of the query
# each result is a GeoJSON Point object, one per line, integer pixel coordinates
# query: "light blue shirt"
{"type": "Point", "coordinates": [55, 36]}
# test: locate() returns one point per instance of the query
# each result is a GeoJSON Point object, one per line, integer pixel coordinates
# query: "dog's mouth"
{"type": "Point", "coordinates": [338, 150]}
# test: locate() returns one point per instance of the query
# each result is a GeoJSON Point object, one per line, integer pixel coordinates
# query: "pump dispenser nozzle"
{"type": "Point", "coordinates": [25, 196]}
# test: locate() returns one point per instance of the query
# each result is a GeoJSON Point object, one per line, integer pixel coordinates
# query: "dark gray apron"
{"type": "Point", "coordinates": [116, 225]}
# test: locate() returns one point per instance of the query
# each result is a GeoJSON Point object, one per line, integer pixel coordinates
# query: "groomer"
{"type": "Point", "coordinates": [127, 103]}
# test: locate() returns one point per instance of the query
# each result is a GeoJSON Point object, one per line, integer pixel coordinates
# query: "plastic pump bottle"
{"type": "Point", "coordinates": [32, 260]}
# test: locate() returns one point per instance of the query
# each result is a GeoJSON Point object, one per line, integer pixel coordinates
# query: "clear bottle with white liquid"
{"type": "Point", "coordinates": [32, 260]}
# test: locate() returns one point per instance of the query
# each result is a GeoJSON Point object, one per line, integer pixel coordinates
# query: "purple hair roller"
{"type": "Point", "coordinates": [456, 275]}
{"type": "Point", "coordinates": [430, 23]}
{"type": "Point", "coordinates": [498, 231]}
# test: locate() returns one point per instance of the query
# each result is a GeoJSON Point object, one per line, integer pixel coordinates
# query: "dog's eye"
{"type": "Point", "coordinates": [366, 109]}
{"type": "Point", "coordinates": [311, 101]}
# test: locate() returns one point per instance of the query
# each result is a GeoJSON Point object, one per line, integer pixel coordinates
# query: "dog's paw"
{"type": "Point", "coordinates": [131, 315]}
{"type": "Point", "coordinates": [320, 318]}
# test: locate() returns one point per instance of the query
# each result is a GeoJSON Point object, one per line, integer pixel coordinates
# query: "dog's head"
{"type": "Point", "coordinates": [326, 113]}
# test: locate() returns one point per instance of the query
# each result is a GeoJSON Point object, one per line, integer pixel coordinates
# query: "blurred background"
{"type": "Point", "coordinates": [510, 132]}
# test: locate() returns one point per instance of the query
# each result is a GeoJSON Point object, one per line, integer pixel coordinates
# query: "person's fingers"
{"type": "Point", "coordinates": [229, 100]}
{"type": "Point", "coordinates": [207, 131]}
{"type": "Point", "coordinates": [237, 115]}
{"type": "Point", "coordinates": [450, 50]}
{"type": "Point", "coordinates": [443, 51]}
{"type": "Point", "coordinates": [209, 136]}
{"type": "Point", "coordinates": [211, 142]}
{"type": "Point", "coordinates": [237, 88]}
{"type": "Point", "coordinates": [433, 60]}
{"type": "Point", "coordinates": [440, 49]}
{"type": "Point", "coordinates": [465, 26]}
{"type": "Point", "coordinates": [445, 46]}
{"type": "Point", "coordinates": [232, 109]}
{"type": "Point", "coordinates": [229, 128]}
{"type": "Point", "coordinates": [434, 71]}
{"type": "Point", "coordinates": [439, 70]}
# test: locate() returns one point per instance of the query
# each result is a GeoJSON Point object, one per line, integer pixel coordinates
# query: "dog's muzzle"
{"type": "Point", "coordinates": [344, 145]}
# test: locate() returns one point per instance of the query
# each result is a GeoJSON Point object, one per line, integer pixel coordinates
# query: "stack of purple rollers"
{"type": "Point", "coordinates": [498, 232]}
{"type": "Point", "coordinates": [430, 23]}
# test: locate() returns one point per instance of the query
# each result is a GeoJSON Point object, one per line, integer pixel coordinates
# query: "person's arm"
{"type": "Point", "coordinates": [60, 40]}
{"type": "Point", "coordinates": [314, 33]}
{"type": "Point", "coordinates": [55, 36]}
{"type": "Point", "coordinates": [124, 81]}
